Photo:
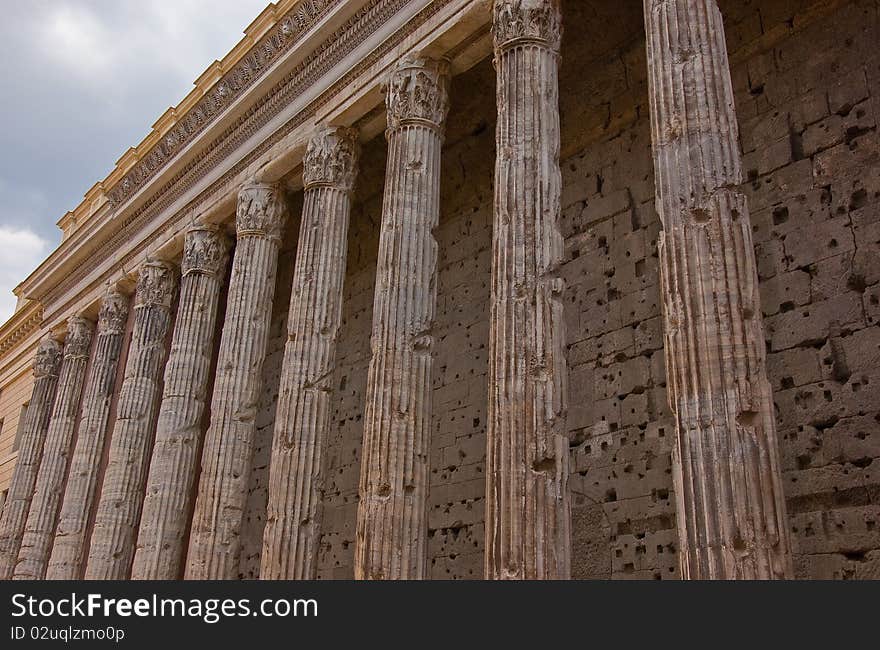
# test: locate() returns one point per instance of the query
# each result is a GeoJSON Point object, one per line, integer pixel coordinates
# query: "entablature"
{"type": "Point", "coordinates": [334, 75]}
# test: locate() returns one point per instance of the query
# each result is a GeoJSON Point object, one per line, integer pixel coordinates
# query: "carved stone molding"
{"type": "Point", "coordinates": [114, 313]}
{"type": "Point", "coordinates": [79, 337]}
{"type": "Point", "coordinates": [332, 158]}
{"type": "Point", "coordinates": [285, 35]}
{"type": "Point", "coordinates": [156, 284]}
{"type": "Point", "coordinates": [260, 211]}
{"type": "Point", "coordinates": [335, 48]}
{"type": "Point", "coordinates": [48, 360]}
{"type": "Point", "coordinates": [534, 21]}
{"type": "Point", "coordinates": [205, 250]}
{"type": "Point", "coordinates": [418, 92]}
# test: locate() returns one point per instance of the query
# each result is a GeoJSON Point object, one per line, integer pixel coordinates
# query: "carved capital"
{"type": "Point", "coordinates": [418, 93]}
{"type": "Point", "coordinates": [205, 250]}
{"type": "Point", "coordinates": [48, 360]}
{"type": "Point", "coordinates": [156, 284]}
{"type": "Point", "coordinates": [261, 211]}
{"type": "Point", "coordinates": [535, 21]}
{"type": "Point", "coordinates": [114, 313]}
{"type": "Point", "coordinates": [332, 158]}
{"type": "Point", "coordinates": [79, 337]}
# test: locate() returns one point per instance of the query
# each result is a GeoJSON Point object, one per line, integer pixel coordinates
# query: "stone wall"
{"type": "Point", "coordinates": [808, 108]}
{"type": "Point", "coordinates": [806, 79]}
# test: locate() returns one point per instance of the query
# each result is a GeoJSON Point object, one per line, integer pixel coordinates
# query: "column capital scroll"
{"type": "Point", "coordinates": [418, 93]}
{"type": "Point", "coordinates": [332, 158]}
{"type": "Point", "coordinates": [156, 284]}
{"type": "Point", "coordinates": [261, 211]}
{"type": "Point", "coordinates": [79, 337]}
{"type": "Point", "coordinates": [205, 250]}
{"type": "Point", "coordinates": [48, 359]}
{"type": "Point", "coordinates": [114, 312]}
{"type": "Point", "coordinates": [527, 21]}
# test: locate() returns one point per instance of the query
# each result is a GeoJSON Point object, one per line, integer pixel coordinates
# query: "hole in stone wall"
{"type": "Point", "coordinates": [780, 215]}
{"type": "Point", "coordinates": [701, 215]}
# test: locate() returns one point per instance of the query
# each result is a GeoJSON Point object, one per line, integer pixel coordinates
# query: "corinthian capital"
{"type": "Point", "coordinates": [536, 21]}
{"type": "Point", "coordinates": [332, 158]}
{"type": "Point", "coordinates": [48, 359]}
{"type": "Point", "coordinates": [204, 250]}
{"type": "Point", "coordinates": [261, 211]}
{"type": "Point", "coordinates": [114, 312]}
{"type": "Point", "coordinates": [418, 93]}
{"type": "Point", "coordinates": [79, 337]}
{"type": "Point", "coordinates": [156, 284]}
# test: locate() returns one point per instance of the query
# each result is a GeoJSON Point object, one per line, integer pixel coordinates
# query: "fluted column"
{"type": "Point", "coordinates": [296, 476]}
{"type": "Point", "coordinates": [168, 498]}
{"type": "Point", "coordinates": [215, 547]}
{"type": "Point", "coordinates": [730, 505]}
{"type": "Point", "coordinates": [392, 527]}
{"type": "Point", "coordinates": [36, 544]}
{"type": "Point", "coordinates": [36, 421]}
{"type": "Point", "coordinates": [116, 518]}
{"type": "Point", "coordinates": [68, 550]}
{"type": "Point", "coordinates": [527, 500]}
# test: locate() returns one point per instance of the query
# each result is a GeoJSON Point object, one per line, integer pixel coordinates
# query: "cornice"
{"type": "Point", "coordinates": [182, 125]}
{"type": "Point", "coordinates": [129, 233]}
{"type": "Point", "coordinates": [20, 326]}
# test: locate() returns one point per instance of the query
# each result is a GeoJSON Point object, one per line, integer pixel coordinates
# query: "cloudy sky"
{"type": "Point", "coordinates": [84, 80]}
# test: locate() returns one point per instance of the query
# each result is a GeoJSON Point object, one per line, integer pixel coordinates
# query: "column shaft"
{"type": "Point", "coordinates": [116, 519]}
{"type": "Point", "coordinates": [215, 546]}
{"type": "Point", "coordinates": [392, 525]}
{"type": "Point", "coordinates": [68, 550]}
{"type": "Point", "coordinates": [730, 505]}
{"type": "Point", "coordinates": [36, 421]}
{"type": "Point", "coordinates": [36, 544]}
{"type": "Point", "coordinates": [169, 495]}
{"type": "Point", "coordinates": [527, 508]}
{"type": "Point", "coordinates": [296, 478]}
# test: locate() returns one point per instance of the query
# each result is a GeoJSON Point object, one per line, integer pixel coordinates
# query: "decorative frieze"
{"type": "Point", "coordinates": [215, 540]}
{"type": "Point", "coordinates": [296, 481]}
{"type": "Point", "coordinates": [116, 517]}
{"type": "Point", "coordinates": [392, 527]}
{"type": "Point", "coordinates": [730, 503]}
{"type": "Point", "coordinates": [168, 499]}
{"type": "Point", "coordinates": [281, 39]}
{"type": "Point", "coordinates": [36, 544]}
{"type": "Point", "coordinates": [334, 49]}
{"type": "Point", "coordinates": [527, 499]}
{"type": "Point", "coordinates": [68, 551]}
{"type": "Point", "coordinates": [47, 364]}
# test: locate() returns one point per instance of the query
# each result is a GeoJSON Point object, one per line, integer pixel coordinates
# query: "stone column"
{"type": "Point", "coordinates": [392, 527]}
{"type": "Point", "coordinates": [169, 495]}
{"type": "Point", "coordinates": [527, 500]}
{"type": "Point", "coordinates": [215, 547]}
{"type": "Point", "coordinates": [113, 536]}
{"type": "Point", "coordinates": [296, 478]}
{"type": "Point", "coordinates": [36, 421]}
{"type": "Point", "coordinates": [36, 544]}
{"type": "Point", "coordinates": [68, 551]}
{"type": "Point", "coordinates": [730, 505]}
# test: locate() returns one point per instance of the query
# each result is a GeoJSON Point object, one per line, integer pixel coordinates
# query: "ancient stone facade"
{"type": "Point", "coordinates": [619, 320]}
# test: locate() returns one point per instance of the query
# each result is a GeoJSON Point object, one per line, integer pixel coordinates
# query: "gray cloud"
{"type": "Point", "coordinates": [85, 80]}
